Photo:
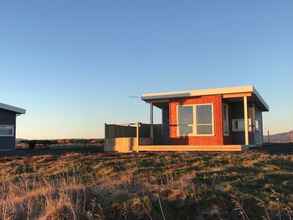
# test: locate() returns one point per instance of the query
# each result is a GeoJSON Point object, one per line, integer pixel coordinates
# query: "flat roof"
{"type": "Point", "coordinates": [148, 97]}
{"type": "Point", "coordinates": [11, 108]}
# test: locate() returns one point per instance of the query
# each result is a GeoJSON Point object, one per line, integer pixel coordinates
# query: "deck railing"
{"type": "Point", "coordinates": [116, 131]}
{"type": "Point", "coordinates": [134, 130]}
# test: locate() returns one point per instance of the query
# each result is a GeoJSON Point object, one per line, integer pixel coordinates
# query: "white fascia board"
{"type": "Point", "coordinates": [12, 108]}
{"type": "Point", "coordinates": [199, 92]}
{"type": "Point", "coordinates": [204, 92]}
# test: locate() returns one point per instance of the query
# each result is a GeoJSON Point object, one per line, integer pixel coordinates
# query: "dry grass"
{"type": "Point", "coordinates": [250, 185]}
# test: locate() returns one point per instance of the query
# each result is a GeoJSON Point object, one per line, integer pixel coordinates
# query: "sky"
{"type": "Point", "coordinates": [75, 65]}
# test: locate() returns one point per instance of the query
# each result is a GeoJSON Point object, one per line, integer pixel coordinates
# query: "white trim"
{"type": "Point", "coordinates": [199, 92]}
{"type": "Point", "coordinates": [8, 127]}
{"type": "Point", "coordinates": [194, 124]}
{"type": "Point", "coordinates": [12, 108]}
{"type": "Point", "coordinates": [213, 122]}
{"type": "Point", "coordinates": [205, 92]}
{"type": "Point", "coordinates": [246, 123]}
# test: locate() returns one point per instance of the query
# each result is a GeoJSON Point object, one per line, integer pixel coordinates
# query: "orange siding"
{"type": "Point", "coordinates": [217, 139]}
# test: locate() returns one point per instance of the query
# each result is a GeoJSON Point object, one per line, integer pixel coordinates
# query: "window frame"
{"type": "Point", "coordinates": [12, 127]}
{"type": "Point", "coordinates": [178, 123]}
{"type": "Point", "coordinates": [195, 124]}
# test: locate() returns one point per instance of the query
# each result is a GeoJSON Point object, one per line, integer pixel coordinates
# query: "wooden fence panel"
{"type": "Point", "coordinates": [145, 132]}
{"type": "Point", "coordinates": [116, 131]}
{"type": "Point", "coordinates": [121, 131]}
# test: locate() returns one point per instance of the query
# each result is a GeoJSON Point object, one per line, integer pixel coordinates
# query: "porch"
{"type": "Point", "coordinates": [136, 137]}
{"type": "Point", "coordinates": [231, 119]}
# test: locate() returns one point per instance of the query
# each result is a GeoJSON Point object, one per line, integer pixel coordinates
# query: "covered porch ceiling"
{"type": "Point", "coordinates": [251, 98]}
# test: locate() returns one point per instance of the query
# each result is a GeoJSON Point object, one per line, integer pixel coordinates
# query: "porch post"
{"type": "Point", "coordinates": [246, 125]}
{"type": "Point", "coordinates": [137, 136]}
{"type": "Point", "coordinates": [253, 125]}
{"type": "Point", "coordinates": [152, 121]}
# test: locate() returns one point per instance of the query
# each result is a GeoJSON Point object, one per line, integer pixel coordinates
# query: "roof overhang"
{"type": "Point", "coordinates": [11, 108]}
{"type": "Point", "coordinates": [156, 97]}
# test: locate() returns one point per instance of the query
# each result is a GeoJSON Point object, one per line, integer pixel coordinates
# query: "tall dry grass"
{"type": "Point", "coordinates": [249, 185]}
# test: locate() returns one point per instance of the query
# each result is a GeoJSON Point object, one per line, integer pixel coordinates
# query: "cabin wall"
{"type": "Point", "coordinates": [7, 118]}
{"type": "Point", "coordinates": [216, 139]}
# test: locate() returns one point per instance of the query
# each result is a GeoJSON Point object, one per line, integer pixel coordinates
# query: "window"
{"type": "Point", "coordinates": [195, 120]}
{"type": "Point", "coordinates": [226, 120]}
{"type": "Point", "coordinates": [185, 116]}
{"type": "Point", "coordinates": [238, 125]}
{"type": "Point", "coordinates": [257, 125]}
{"type": "Point", "coordinates": [6, 130]}
{"type": "Point", "coordinates": [204, 120]}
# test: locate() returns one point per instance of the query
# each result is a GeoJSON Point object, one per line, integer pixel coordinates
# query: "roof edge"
{"type": "Point", "coordinates": [12, 108]}
{"type": "Point", "coordinates": [198, 92]}
{"type": "Point", "coordinates": [257, 94]}
{"type": "Point", "coordinates": [204, 92]}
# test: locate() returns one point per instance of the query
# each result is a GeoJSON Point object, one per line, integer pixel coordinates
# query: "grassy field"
{"type": "Point", "coordinates": [93, 185]}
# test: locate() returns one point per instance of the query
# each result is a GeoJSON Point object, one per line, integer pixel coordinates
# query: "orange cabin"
{"type": "Point", "coordinates": [222, 116]}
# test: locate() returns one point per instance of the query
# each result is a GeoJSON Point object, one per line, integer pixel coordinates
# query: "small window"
{"type": "Point", "coordinates": [185, 116]}
{"type": "Point", "coordinates": [204, 120]}
{"type": "Point", "coordinates": [257, 125]}
{"type": "Point", "coordinates": [238, 125]}
{"type": "Point", "coordinates": [6, 130]}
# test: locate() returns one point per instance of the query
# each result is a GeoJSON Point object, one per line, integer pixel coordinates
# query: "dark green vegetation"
{"type": "Point", "coordinates": [250, 185]}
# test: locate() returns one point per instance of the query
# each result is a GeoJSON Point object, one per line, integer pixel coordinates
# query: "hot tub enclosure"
{"type": "Point", "coordinates": [8, 116]}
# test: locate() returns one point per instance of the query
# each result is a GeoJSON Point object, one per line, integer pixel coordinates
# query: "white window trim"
{"type": "Point", "coordinates": [8, 127]}
{"type": "Point", "coordinates": [194, 124]}
{"type": "Point", "coordinates": [226, 111]}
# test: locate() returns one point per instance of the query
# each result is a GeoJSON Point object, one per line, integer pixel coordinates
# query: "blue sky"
{"type": "Point", "coordinates": [74, 64]}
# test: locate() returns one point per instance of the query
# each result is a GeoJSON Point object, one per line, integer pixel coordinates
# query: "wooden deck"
{"type": "Point", "coordinates": [186, 148]}
{"type": "Point", "coordinates": [126, 145]}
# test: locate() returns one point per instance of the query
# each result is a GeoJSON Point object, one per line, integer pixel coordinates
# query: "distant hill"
{"type": "Point", "coordinates": [286, 137]}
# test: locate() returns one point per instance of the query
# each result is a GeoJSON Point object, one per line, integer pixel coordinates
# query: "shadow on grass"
{"type": "Point", "coordinates": [56, 151]}
{"type": "Point", "coordinates": [276, 148]}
